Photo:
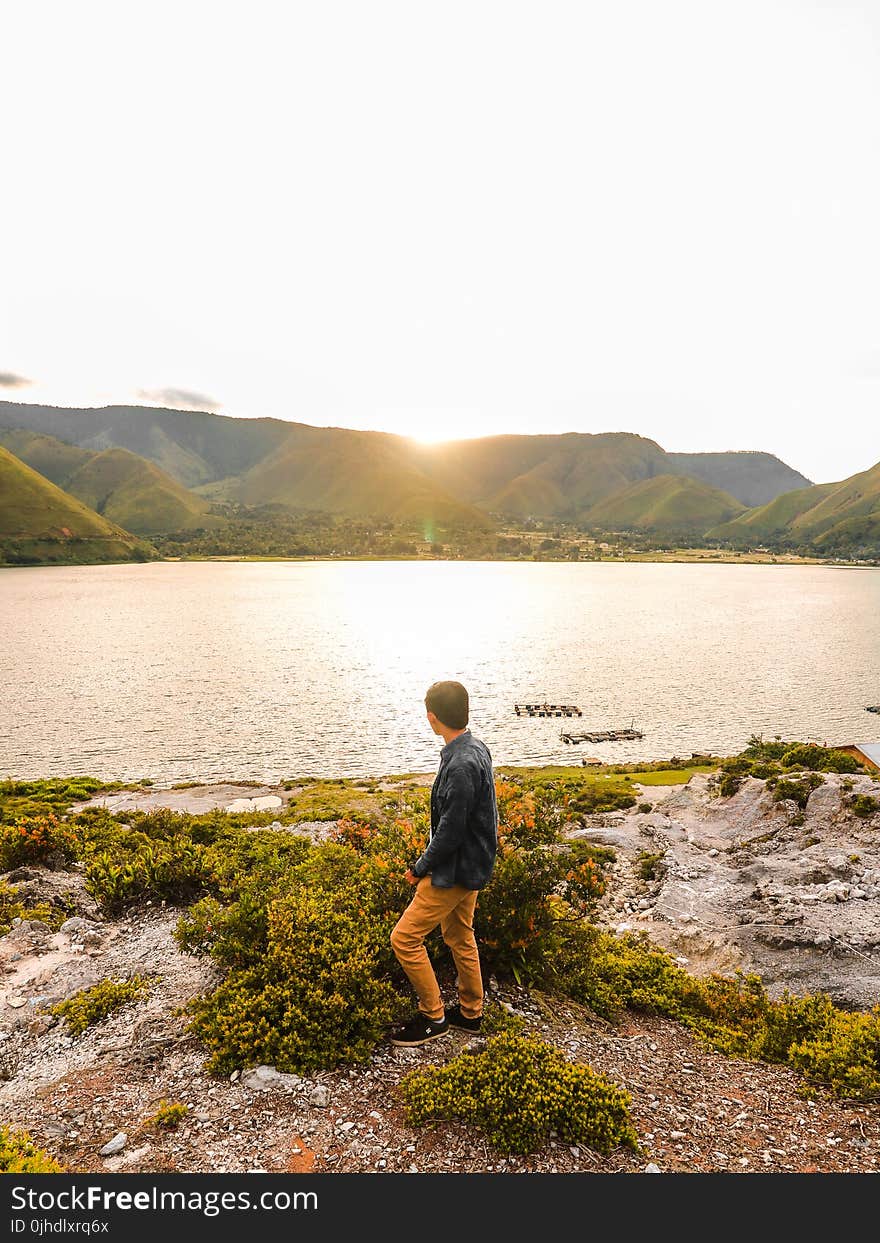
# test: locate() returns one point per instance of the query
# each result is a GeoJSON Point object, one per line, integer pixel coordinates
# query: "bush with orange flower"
{"type": "Point", "coordinates": [37, 839]}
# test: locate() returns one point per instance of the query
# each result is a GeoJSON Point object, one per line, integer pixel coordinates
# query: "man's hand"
{"type": "Point", "coordinates": [410, 876]}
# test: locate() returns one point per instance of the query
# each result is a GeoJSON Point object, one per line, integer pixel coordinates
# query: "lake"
{"type": "Point", "coordinates": [205, 670]}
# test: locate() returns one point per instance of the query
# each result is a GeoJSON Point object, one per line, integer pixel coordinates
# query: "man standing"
{"type": "Point", "coordinates": [456, 864]}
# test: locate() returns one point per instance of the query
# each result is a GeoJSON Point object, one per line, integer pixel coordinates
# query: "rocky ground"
{"type": "Point", "coordinates": [749, 883]}
{"type": "Point", "coordinates": [195, 799]}
{"type": "Point", "coordinates": [737, 884]}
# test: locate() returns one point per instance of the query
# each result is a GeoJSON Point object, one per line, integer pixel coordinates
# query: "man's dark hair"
{"type": "Point", "coordinates": [449, 703]}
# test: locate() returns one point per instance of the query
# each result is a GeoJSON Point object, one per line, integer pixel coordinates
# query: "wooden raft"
{"type": "Point", "coordinates": [547, 710]}
{"type": "Point", "coordinates": [602, 735]}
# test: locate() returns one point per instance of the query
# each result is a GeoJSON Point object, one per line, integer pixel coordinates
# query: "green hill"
{"type": "Point", "coordinates": [541, 476]}
{"type": "Point", "coordinates": [348, 472]}
{"type": "Point", "coordinates": [39, 522]}
{"type": "Point", "coordinates": [137, 495]}
{"type": "Point", "coordinates": [126, 488]}
{"type": "Point", "coordinates": [56, 459]}
{"type": "Point", "coordinates": [829, 515]}
{"type": "Point", "coordinates": [664, 503]}
{"type": "Point", "coordinates": [565, 475]}
{"type": "Point", "coordinates": [855, 498]}
{"type": "Point", "coordinates": [774, 519]}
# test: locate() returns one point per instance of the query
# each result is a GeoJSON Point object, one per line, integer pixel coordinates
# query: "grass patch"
{"type": "Point", "coordinates": [548, 772]}
{"type": "Point", "coordinates": [338, 800]}
{"type": "Point", "coordinates": [645, 774]}
{"type": "Point", "coordinates": [52, 796]}
{"type": "Point", "coordinates": [671, 776]}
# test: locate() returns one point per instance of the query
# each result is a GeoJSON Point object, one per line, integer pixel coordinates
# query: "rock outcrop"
{"type": "Point", "coordinates": [749, 883]}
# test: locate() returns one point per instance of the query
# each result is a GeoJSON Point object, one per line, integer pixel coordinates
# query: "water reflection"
{"type": "Point", "coordinates": [264, 670]}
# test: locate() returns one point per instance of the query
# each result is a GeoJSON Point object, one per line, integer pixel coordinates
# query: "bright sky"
{"type": "Point", "coordinates": [453, 219]}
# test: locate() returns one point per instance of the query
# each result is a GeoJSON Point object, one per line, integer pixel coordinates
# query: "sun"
{"type": "Point", "coordinates": [432, 437]}
{"type": "Point", "coordinates": [433, 425]}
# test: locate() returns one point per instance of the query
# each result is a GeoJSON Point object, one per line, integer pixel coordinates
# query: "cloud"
{"type": "Point", "coordinates": [179, 397]}
{"type": "Point", "coordinates": [8, 379]}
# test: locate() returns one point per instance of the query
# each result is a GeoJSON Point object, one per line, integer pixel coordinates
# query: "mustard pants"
{"type": "Point", "coordinates": [453, 910]}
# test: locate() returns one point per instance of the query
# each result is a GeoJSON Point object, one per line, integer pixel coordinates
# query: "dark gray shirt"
{"type": "Point", "coordinates": [464, 817]}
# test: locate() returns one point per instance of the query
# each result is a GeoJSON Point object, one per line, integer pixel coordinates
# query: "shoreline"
{"type": "Point", "coordinates": [700, 558]}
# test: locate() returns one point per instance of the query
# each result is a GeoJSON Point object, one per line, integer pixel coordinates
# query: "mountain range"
{"type": "Point", "coordinates": [340, 470]}
{"type": "Point", "coordinates": [152, 470]}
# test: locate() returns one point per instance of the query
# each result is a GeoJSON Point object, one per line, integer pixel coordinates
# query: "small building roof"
{"type": "Point", "coordinates": [871, 750]}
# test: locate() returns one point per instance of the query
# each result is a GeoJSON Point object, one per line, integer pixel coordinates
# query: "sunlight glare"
{"type": "Point", "coordinates": [434, 425]}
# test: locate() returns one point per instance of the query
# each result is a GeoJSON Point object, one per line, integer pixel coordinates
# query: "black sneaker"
{"type": "Point", "coordinates": [455, 1018]}
{"type": "Point", "coordinates": [419, 1031]}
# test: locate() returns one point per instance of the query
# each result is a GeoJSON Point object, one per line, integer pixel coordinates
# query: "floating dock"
{"type": "Point", "coordinates": [547, 710]}
{"type": "Point", "coordinates": [602, 735]}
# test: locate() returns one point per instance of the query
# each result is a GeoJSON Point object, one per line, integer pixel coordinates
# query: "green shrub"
{"type": "Point", "coordinates": [766, 759]}
{"type": "Point", "coordinates": [864, 805]}
{"type": "Point", "coordinates": [761, 749]}
{"type": "Point", "coordinates": [644, 808]}
{"type": "Point", "coordinates": [740, 765]}
{"type": "Point", "coordinates": [530, 815]}
{"type": "Point", "coordinates": [234, 934]}
{"type": "Point", "coordinates": [165, 871]}
{"type": "Point", "coordinates": [733, 1014]}
{"type": "Point", "coordinates": [819, 759]}
{"type": "Point", "coordinates": [36, 839]}
{"type": "Point", "coordinates": [93, 1005]}
{"type": "Point", "coordinates": [497, 1019]}
{"type": "Point", "coordinates": [168, 1116]}
{"type": "Point", "coordinates": [237, 859]}
{"type": "Point", "coordinates": [797, 791]}
{"type": "Point", "coordinates": [602, 796]}
{"type": "Point", "coordinates": [651, 866]}
{"type": "Point", "coordinates": [515, 921]}
{"type": "Point", "coordinates": [20, 1155]}
{"type": "Point", "coordinates": [531, 895]}
{"type": "Point", "coordinates": [319, 994]}
{"type": "Point", "coordinates": [844, 1053]}
{"type": "Point", "coordinates": [764, 769]}
{"type": "Point", "coordinates": [729, 783]}
{"type": "Point", "coordinates": [53, 913]}
{"type": "Point", "coordinates": [516, 1091]}
{"type": "Point", "coordinates": [609, 974]}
